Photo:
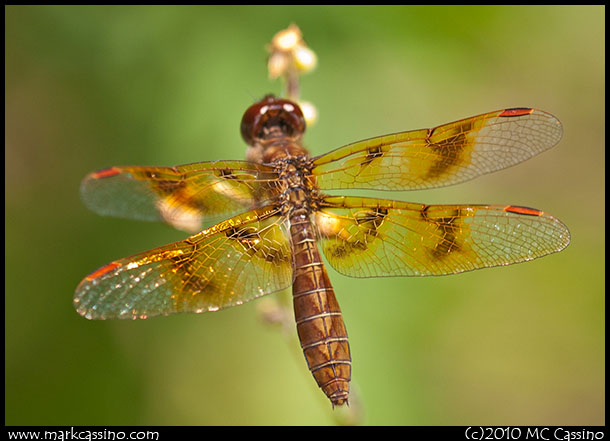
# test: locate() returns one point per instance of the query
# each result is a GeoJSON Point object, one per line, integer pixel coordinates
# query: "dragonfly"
{"type": "Point", "coordinates": [261, 225]}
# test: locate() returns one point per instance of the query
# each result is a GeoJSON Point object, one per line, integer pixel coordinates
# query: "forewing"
{"type": "Point", "coordinates": [187, 197]}
{"type": "Point", "coordinates": [363, 237]}
{"type": "Point", "coordinates": [228, 264]}
{"type": "Point", "coordinates": [445, 155]}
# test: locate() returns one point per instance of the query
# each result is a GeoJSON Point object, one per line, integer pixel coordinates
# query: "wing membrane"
{"type": "Point", "coordinates": [363, 237]}
{"type": "Point", "coordinates": [445, 155]}
{"type": "Point", "coordinates": [186, 197]}
{"type": "Point", "coordinates": [228, 264]}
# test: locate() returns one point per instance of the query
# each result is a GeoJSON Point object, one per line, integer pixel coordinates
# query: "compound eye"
{"type": "Point", "coordinates": [271, 118]}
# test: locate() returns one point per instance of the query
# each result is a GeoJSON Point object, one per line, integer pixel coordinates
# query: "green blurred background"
{"type": "Point", "coordinates": [91, 87]}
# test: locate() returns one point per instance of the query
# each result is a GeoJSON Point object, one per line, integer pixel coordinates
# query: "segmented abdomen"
{"type": "Point", "coordinates": [318, 316]}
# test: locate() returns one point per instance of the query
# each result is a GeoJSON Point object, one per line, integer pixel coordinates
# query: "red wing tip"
{"type": "Point", "coordinates": [517, 111]}
{"type": "Point", "coordinates": [523, 210]}
{"type": "Point", "coordinates": [101, 271]}
{"type": "Point", "coordinates": [106, 173]}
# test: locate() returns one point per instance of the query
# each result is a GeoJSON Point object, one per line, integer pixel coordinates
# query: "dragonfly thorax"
{"type": "Point", "coordinates": [299, 195]}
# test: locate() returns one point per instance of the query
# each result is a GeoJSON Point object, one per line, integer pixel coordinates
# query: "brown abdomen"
{"type": "Point", "coordinates": [319, 323]}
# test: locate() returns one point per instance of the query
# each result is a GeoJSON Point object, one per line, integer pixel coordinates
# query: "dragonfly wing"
{"type": "Point", "coordinates": [446, 155]}
{"type": "Point", "coordinates": [364, 237]}
{"type": "Point", "coordinates": [228, 264]}
{"type": "Point", "coordinates": [187, 197]}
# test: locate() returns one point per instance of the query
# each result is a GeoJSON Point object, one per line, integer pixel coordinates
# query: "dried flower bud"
{"type": "Point", "coordinates": [309, 112]}
{"type": "Point", "coordinates": [277, 64]}
{"type": "Point", "coordinates": [289, 57]}
{"type": "Point", "coordinates": [305, 59]}
{"type": "Point", "coordinates": [287, 39]}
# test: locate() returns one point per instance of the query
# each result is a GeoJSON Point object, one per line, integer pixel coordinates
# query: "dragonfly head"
{"type": "Point", "coordinates": [272, 119]}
